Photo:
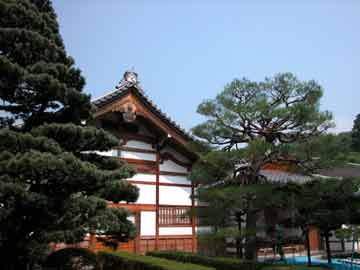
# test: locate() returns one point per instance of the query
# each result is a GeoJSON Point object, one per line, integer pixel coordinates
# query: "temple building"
{"type": "Point", "coordinates": [158, 148]}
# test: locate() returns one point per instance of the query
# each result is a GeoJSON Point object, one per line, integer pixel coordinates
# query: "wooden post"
{"type": "Point", "coordinates": [157, 200]}
{"type": "Point", "coordinates": [193, 219]}
{"type": "Point", "coordinates": [138, 228]}
{"type": "Point", "coordinates": [92, 241]}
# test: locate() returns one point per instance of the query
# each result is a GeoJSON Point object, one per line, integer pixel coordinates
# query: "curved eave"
{"type": "Point", "coordinates": [151, 106]}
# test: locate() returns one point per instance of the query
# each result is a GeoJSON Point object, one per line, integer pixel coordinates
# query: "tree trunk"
{"type": "Point", "coordinates": [239, 248]}
{"type": "Point", "coordinates": [327, 243]}
{"type": "Point", "coordinates": [307, 240]}
{"type": "Point", "coordinates": [250, 241]}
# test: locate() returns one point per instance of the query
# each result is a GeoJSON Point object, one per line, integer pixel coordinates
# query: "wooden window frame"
{"type": "Point", "coordinates": [175, 216]}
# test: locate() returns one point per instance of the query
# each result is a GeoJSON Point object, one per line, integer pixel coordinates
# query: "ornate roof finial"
{"type": "Point", "coordinates": [131, 76]}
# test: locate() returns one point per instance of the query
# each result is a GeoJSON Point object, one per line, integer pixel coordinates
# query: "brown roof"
{"type": "Point", "coordinates": [130, 85]}
{"type": "Point", "coordinates": [124, 87]}
{"type": "Point", "coordinates": [349, 170]}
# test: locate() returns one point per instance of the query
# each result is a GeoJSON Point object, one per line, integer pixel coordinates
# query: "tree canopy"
{"type": "Point", "coordinates": [54, 185]}
{"type": "Point", "coordinates": [355, 134]}
{"type": "Point", "coordinates": [38, 80]}
{"type": "Point", "coordinates": [252, 124]}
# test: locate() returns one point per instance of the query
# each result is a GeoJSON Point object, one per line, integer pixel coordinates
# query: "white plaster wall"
{"type": "Point", "coordinates": [139, 144]}
{"type": "Point", "coordinates": [172, 179]}
{"type": "Point", "coordinates": [144, 177]}
{"type": "Point", "coordinates": [175, 231]}
{"type": "Point", "coordinates": [147, 223]}
{"type": "Point", "coordinates": [147, 194]}
{"type": "Point", "coordinates": [134, 155]}
{"type": "Point", "coordinates": [176, 154]}
{"type": "Point", "coordinates": [174, 195]}
{"type": "Point", "coordinates": [170, 166]}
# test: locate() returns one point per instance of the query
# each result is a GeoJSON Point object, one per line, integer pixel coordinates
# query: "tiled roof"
{"type": "Point", "coordinates": [351, 170]}
{"type": "Point", "coordinates": [278, 176]}
{"type": "Point", "coordinates": [124, 87]}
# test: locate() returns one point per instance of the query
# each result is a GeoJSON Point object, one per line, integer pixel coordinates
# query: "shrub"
{"type": "Point", "coordinates": [215, 262]}
{"type": "Point", "coordinates": [213, 243]}
{"type": "Point", "coordinates": [109, 260]}
{"type": "Point", "coordinates": [71, 259]}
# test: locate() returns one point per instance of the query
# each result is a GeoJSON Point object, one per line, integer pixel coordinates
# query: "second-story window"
{"type": "Point", "coordinates": [174, 216]}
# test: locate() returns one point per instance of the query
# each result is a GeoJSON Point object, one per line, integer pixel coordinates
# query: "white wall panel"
{"type": "Point", "coordinates": [147, 194]}
{"type": "Point", "coordinates": [135, 155]}
{"type": "Point", "coordinates": [139, 144]}
{"type": "Point", "coordinates": [144, 177]}
{"type": "Point", "coordinates": [171, 166]}
{"type": "Point", "coordinates": [175, 231]}
{"type": "Point", "coordinates": [147, 223]}
{"type": "Point", "coordinates": [174, 195]}
{"type": "Point", "coordinates": [176, 154]}
{"type": "Point", "coordinates": [172, 179]}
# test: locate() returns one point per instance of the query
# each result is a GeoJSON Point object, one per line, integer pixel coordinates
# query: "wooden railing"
{"type": "Point", "coordinates": [174, 216]}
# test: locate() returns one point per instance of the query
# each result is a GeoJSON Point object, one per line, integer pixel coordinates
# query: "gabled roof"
{"type": "Point", "coordinates": [278, 176]}
{"type": "Point", "coordinates": [348, 170]}
{"type": "Point", "coordinates": [130, 83]}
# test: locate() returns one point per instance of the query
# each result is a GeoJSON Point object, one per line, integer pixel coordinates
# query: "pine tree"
{"type": "Point", "coordinates": [53, 185]}
{"type": "Point", "coordinates": [336, 203]}
{"type": "Point", "coordinates": [263, 122]}
{"type": "Point", "coordinates": [355, 134]}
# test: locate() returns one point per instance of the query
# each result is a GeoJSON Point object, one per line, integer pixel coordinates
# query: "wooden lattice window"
{"type": "Point", "coordinates": [174, 216]}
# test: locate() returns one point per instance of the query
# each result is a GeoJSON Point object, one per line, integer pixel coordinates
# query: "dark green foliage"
{"type": "Point", "coordinates": [38, 82]}
{"type": "Point", "coordinates": [213, 242]}
{"type": "Point", "coordinates": [265, 119]}
{"type": "Point", "coordinates": [119, 191]}
{"type": "Point", "coordinates": [219, 263]}
{"type": "Point", "coordinates": [53, 183]}
{"type": "Point", "coordinates": [71, 259]}
{"type": "Point", "coordinates": [355, 134]}
{"type": "Point", "coordinates": [76, 138]}
{"type": "Point", "coordinates": [254, 124]}
{"type": "Point", "coordinates": [214, 166]}
{"type": "Point", "coordinates": [126, 261]}
{"type": "Point", "coordinates": [53, 195]}
{"type": "Point", "coordinates": [324, 203]}
{"type": "Point", "coordinates": [280, 109]}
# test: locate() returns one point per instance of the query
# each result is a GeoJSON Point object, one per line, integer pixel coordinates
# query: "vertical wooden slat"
{"type": "Point", "coordinates": [138, 227]}
{"type": "Point", "coordinates": [157, 198]}
{"type": "Point", "coordinates": [193, 238]}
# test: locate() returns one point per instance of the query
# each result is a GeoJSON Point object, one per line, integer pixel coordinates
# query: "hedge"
{"type": "Point", "coordinates": [109, 260]}
{"type": "Point", "coordinates": [219, 263]}
{"type": "Point", "coordinates": [71, 258]}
